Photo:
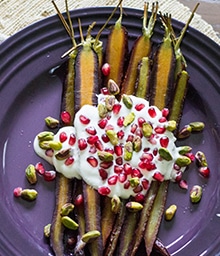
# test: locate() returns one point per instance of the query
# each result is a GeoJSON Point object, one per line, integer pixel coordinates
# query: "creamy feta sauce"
{"type": "Point", "coordinates": [113, 153]}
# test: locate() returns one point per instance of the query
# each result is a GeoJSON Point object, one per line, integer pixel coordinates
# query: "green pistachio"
{"type": "Point", "coordinates": [147, 130]}
{"type": "Point", "coordinates": [66, 209]}
{"type": "Point", "coordinates": [201, 159]}
{"type": "Point", "coordinates": [109, 102]}
{"type": "Point", "coordinates": [196, 194]}
{"type": "Point", "coordinates": [134, 182]}
{"type": "Point", "coordinates": [165, 154]}
{"type": "Point", "coordinates": [105, 156]}
{"type": "Point", "coordinates": [45, 136]}
{"type": "Point", "coordinates": [129, 119]}
{"type": "Point", "coordinates": [127, 101]}
{"type": "Point", "coordinates": [30, 173]}
{"type": "Point", "coordinates": [128, 151]}
{"type": "Point", "coordinates": [29, 194]}
{"type": "Point", "coordinates": [112, 135]}
{"type": "Point", "coordinates": [113, 88]}
{"type": "Point", "coordinates": [197, 126]}
{"type": "Point", "coordinates": [51, 122]}
{"type": "Point", "coordinates": [69, 223]}
{"type": "Point", "coordinates": [63, 154]}
{"type": "Point", "coordinates": [184, 150]}
{"type": "Point", "coordinates": [134, 206]}
{"type": "Point", "coordinates": [90, 236]}
{"type": "Point", "coordinates": [137, 144]}
{"type": "Point", "coordinates": [116, 204]}
{"type": "Point", "coordinates": [44, 144]}
{"type": "Point", "coordinates": [185, 132]}
{"type": "Point", "coordinates": [47, 230]}
{"type": "Point", "coordinates": [170, 212]}
{"type": "Point", "coordinates": [56, 145]}
{"type": "Point", "coordinates": [102, 110]}
{"type": "Point", "coordinates": [183, 161]}
{"type": "Point", "coordinates": [171, 126]}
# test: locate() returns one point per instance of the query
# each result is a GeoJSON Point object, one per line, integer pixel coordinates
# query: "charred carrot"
{"type": "Point", "coordinates": [141, 48]}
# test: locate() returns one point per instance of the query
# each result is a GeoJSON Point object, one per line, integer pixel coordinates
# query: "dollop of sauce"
{"type": "Point", "coordinates": [117, 147]}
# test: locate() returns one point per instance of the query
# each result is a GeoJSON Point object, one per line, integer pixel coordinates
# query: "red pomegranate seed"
{"type": "Point", "coordinates": [158, 176]}
{"type": "Point", "coordinates": [99, 145]}
{"type": "Point", "coordinates": [139, 133]}
{"type": "Point", "coordinates": [120, 134]}
{"type": "Point", "coordinates": [106, 69]}
{"type": "Point", "coordinates": [152, 140]}
{"type": "Point", "coordinates": [183, 184]}
{"type": "Point", "coordinates": [120, 121]}
{"type": "Point", "coordinates": [147, 156]}
{"type": "Point", "coordinates": [105, 138]}
{"type": "Point", "coordinates": [119, 160]}
{"type": "Point", "coordinates": [72, 139]}
{"type": "Point", "coordinates": [145, 183]}
{"type": "Point", "coordinates": [130, 138]}
{"type": "Point", "coordinates": [152, 112]}
{"type": "Point", "coordinates": [127, 168]}
{"type": "Point", "coordinates": [122, 177]}
{"type": "Point", "coordinates": [118, 169]}
{"type": "Point", "coordinates": [178, 176]}
{"type": "Point", "coordinates": [82, 144]}
{"type": "Point", "coordinates": [69, 161]}
{"type": "Point", "coordinates": [63, 137]}
{"type": "Point", "coordinates": [106, 165]}
{"type": "Point", "coordinates": [65, 117]}
{"type": "Point", "coordinates": [191, 156]}
{"type": "Point", "coordinates": [91, 130]}
{"type": "Point", "coordinates": [141, 121]}
{"type": "Point", "coordinates": [160, 129]}
{"type": "Point", "coordinates": [92, 139]}
{"type": "Point", "coordinates": [139, 107]}
{"type": "Point", "coordinates": [139, 198]}
{"type": "Point", "coordinates": [104, 191]}
{"type": "Point", "coordinates": [103, 174]}
{"type": "Point", "coordinates": [17, 192]}
{"type": "Point", "coordinates": [162, 119]}
{"type": "Point", "coordinates": [92, 149]}
{"type": "Point", "coordinates": [78, 200]}
{"type": "Point", "coordinates": [112, 180]}
{"type": "Point", "coordinates": [142, 165]}
{"type": "Point", "coordinates": [150, 166]}
{"type": "Point", "coordinates": [39, 167]}
{"type": "Point", "coordinates": [133, 128]}
{"type": "Point", "coordinates": [118, 150]}
{"type": "Point", "coordinates": [110, 150]}
{"type": "Point", "coordinates": [138, 189]}
{"type": "Point", "coordinates": [164, 141]}
{"type": "Point", "coordinates": [104, 91]}
{"type": "Point", "coordinates": [84, 120]}
{"type": "Point", "coordinates": [49, 152]}
{"type": "Point", "coordinates": [116, 108]}
{"type": "Point", "coordinates": [136, 173]}
{"type": "Point", "coordinates": [49, 175]}
{"type": "Point", "coordinates": [165, 112]}
{"type": "Point", "coordinates": [176, 167]}
{"type": "Point", "coordinates": [92, 161]}
{"type": "Point", "coordinates": [102, 123]}
{"type": "Point", "coordinates": [127, 184]}
{"type": "Point", "coordinates": [109, 127]}
{"type": "Point", "coordinates": [204, 171]}
{"type": "Point", "coordinates": [155, 151]}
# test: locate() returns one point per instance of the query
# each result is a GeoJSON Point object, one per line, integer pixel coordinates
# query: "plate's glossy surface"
{"type": "Point", "coordinates": [29, 93]}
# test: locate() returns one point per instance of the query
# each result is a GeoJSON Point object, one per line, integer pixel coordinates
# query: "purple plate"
{"type": "Point", "coordinates": [29, 93]}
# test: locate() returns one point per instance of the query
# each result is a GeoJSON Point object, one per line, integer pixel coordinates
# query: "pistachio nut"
{"type": "Point", "coordinates": [183, 161]}
{"type": "Point", "coordinates": [113, 88]}
{"type": "Point", "coordinates": [63, 154]}
{"type": "Point", "coordinates": [185, 132]}
{"type": "Point", "coordinates": [171, 125]}
{"type": "Point", "coordinates": [129, 119]}
{"type": "Point", "coordinates": [44, 144]}
{"type": "Point", "coordinates": [51, 122]}
{"type": "Point", "coordinates": [112, 135]}
{"type": "Point", "coordinates": [196, 194]}
{"type": "Point", "coordinates": [45, 136]}
{"type": "Point", "coordinates": [56, 145]}
{"type": "Point", "coordinates": [90, 236]}
{"type": "Point", "coordinates": [116, 204]}
{"type": "Point", "coordinates": [66, 209]}
{"type": "Point", "coordinates": [134, 182]}
{"type": "Point", "coordinates": [29, 194]}
{"type": "Point", "coordinates": [184, 150]}
{"type": "Point", "coordinates": [137, 143]}
{"type": "Point", "coordinates": [147, 130]}
{"type": "Point", "coordinates": [30, 173]}
{"type": "Point", "coordinates": [109, 102]}
{"type": "Point", "coordinates": [197, 126]}
{"type": "Point", "coordinates": [128, 151]}
{"type": "Point", "coordinates": [134, 206]}
{"type": "Point", "coordinates": [201, 159]}
{"type": "Point", "coordinates": [170, 212]}
{"type": "Point", "coordinates": [165, 154]}
{"type": "Point", "coordinates": [127, 101]}
{"type": "Point", "coordinates": [47, 230]}
{"type": "Point", "coordinates": [105, 156]}
{"type": "Point", "coordinates": [102, 110]}
{"type": "Point", "coordinates": [69, 223]}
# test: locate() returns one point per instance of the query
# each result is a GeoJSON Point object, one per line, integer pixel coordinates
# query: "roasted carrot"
{"type": "Point", "coordinates": [141, 48]}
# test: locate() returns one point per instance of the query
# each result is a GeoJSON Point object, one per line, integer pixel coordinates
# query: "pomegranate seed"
{"type": "Point", "coordinates": [65, 117]}
{"type": "Point", "coordinates": [142, 165]}
{"type": "Point", "coordinates": [152, 112]}
{"type": "Point", "coordinates": [84, 120]}
{"type": "Point", "coordinates": [119, 160]}
{"type": "Point", "coordinates": [178, 176]}
{"type": "Point", "coordinates": [164, 141]}
{"type": "Point", "coordinates": [92, 139]}
{"type": "Point", "coordinates": [147, 156]}
{"type": "Point", "coordinates": [49, 175]}
{"type": "Point", "coordinates": [49, 152]}
{"type": "Point", "coordinates": [118, 169]}
{"type": "Point", "coordinates": [105, 138]}
{"type": "Point", "coordinates": [162, 119]}
{"type": "Point", "coordinates": [136, 173]}
{"type": "Point", "coordinates": [39, 168]}
{"type": "Point", "coordinates": [109, 150]}
{"type": "Point", "coordinates": [127, 185]}
{"type": "Point", "coordinates": [139, 107]}
{"type": "Point", "coordinates": [78, 200]}
{"type": "Point", "coordinates": [72, 139]}
{"type": "Point", "coordinates": [183, 184]}
{"type": "Point", "coordinates": [104, 91]}
{"type": "Point", "coordinates": [91, 130]}
{"type": "Point", "coordinates": [160, 129]}
{"type": "Point", "coordinates": [127, 168]}
{"type": "Point", "coordinates": [191, 156]}
{"type": "Point", "coordinates": [152, 140]}
{"type": "Point", "coordinates": [141, 121]}
{"type": "Point", "coordinates": [130, 138]}
{"type": "Point", "coordinates": [146, 149]}
{"type": "Point", "coordinates": [122, 177]}
{"type": "Point", "coordinates": [139, 133]}
{"type": "Point", "coordinates": [109, 127]}
{"type": "Point", "coordinates": [99, 145]}
{"type": "Point", "coordinates": [63, 137]}
{"type": "Point", "coordinates": [145, 183]}
{"type": "Point", "coordinates": [120, 134]}
{"type": "Point", "coordinates": [116, 108]}
{"type": "Point", "coordinates": [103, 174]}
{"type": "Point", "coordinates": [120, 121]}
{"type": "Point", "coordinates": [165, 112]}
{"type": "Point", "coordinates": [69, 161]}
{"type": "Point", "coordinates": [158, 176]}
{"type": "Point", "coordinates": [92, 161]}
{"type": "Point", "coordinates": [176, 167]}
{"type": "Point", "coordinates": [104, 191]}
{"type": "Point", "coordinates": [92, 149]}
{"type": "Point", "coordinates": [102, 123]}
{"type": "Point", "coordinates": [204, 171]}
{"type": "Point", "coordinates": [150, 166]}
{"type": "Point", "coordinates": [139, 198]}
{"type": "Point", "coordinates": [82, 144]}
{"type": "Point", "coordinates": [133, 128]}
{"type": "Point", "coordinates": [118, 150]}
{"type": "Point", "coordinates": [138, 189]}
{"type": "Point", "coordinates": [106, 165]}
{"type": "Point", "coordinates": [155, 151]}
{"type": "Point", "coordinates": [112, 180]}
{"type": "Point", "coordinates": [17, 192]}
{"type": "Point", "coordinates": [106, 69]}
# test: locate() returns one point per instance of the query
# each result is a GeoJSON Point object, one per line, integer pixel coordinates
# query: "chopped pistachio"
{"type": "Point", "coordinates": [90, 236]}
{"type": "Point", "coordinates": [171, 126]}
{"type": "Point", "coordinates": [134, 182]}
{"type": "Point", "coordinates": [134, 206]}
{"type": "Point", "coordinates": [29, 194]}
{"type": "Point", "coordinates": [116, 204]}
{"type": "Point", "coordinates": [201, 159]}
{"type": "Point", "coordinates": [56, 145]}
{"type": "Point", "coordinates": [105, 156]}
{"type": "Point", "coordinates": [112, 135]}
{"type": "Point", "coordinates": [30, 173]}
{"type": "Point", "coordinates": [113, 88]}
{"type": "Point", "coordinates": [45, 136]}
{"type": "Point", "coordinates": [137, 143]}
{"type": "Point", "coordinates": [165, 154]}
{"type": "Point", "coordinates": [197, 126]}
{"type": "Point", "coordinates": [196, 194]}
{"type": "Point", "coordinates": [109, 102]}
{"type": "Point", "coordinates": [127, 101]}
{"type": "Point", "coordinates": [51, 122]}
{"type": "Point", "coordinates": [185, 132]}
{"type": "Point", "coordinates": [129, 119]}
{"type": "Point", "coordinates": [63, 154]}
{"type": "Point", "coordinates": [47, 230]}
{"type": "Point", "coordinates": [66, 209]}
{"type": "Point", "coordinates": [128, 151]}
{"type": "Point", "coordinates": [184, 150]}
{"type": "Point", "coordinates": [102, 110]}
{"type": "Point", "coordinates": [170, 212]}
{"type": "Point", "coordinates": [69, 223]}
{"type": "Point", "coordinates": [147, 130]}
{"type": "Point", "coordinates": [183, 161]}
